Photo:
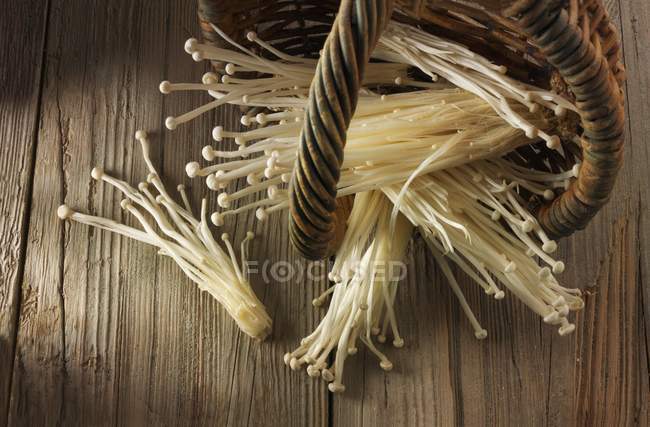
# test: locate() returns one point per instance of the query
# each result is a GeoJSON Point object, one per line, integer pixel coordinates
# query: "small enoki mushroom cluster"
{"type": "Point", "coordinates": [365, 275]}
{"type": "Point", "coordinates": [465, 69]}
{"type": "Point", "coordinates": [281, 84]}
{"type": "Point", "coordinates": [391, 137]}
{"type": "Point", "coordinates": [178, 234]}
{"type": "Point", "coordinates": [475, 215]}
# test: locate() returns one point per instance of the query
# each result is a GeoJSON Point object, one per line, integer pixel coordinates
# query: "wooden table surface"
{"type": "Point", "coordinates": [99, 330]}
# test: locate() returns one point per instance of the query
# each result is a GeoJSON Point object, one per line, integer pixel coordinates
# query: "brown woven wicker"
{"type": "Point", "coordinates": [569, 45]}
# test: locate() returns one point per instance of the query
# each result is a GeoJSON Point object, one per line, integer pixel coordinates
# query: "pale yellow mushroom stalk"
{"type": "Point", "coordinates": [391, 138]}
{"type": "Point", "coordinates": [438, 57]}
{"type": "Point", "coordinates": [474, 216]}
{"type": "Point", "coordinates": [180, 235]}
{"type": "Point", "coordinates": [429, 132]}
{"type": "Point", "coordinates": [367, 268]}
{"type": "Point", "coordinates": [284, 83]}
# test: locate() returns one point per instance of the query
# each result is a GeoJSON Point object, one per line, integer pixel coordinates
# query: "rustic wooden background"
{"type": "Point", "coordinates": [96, 329]}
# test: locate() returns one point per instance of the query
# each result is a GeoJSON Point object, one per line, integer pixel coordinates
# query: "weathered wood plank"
{"type": "Point", "coordinates": [112, 333]}
{"type": "Point", "coordinates": [611, 364]}
{"type": "Point", "coordinates": [635, 33]}
{"type": "Point", "coordinates": [22, 31]}
{"type": "Point", "coordinates": [97, 59]}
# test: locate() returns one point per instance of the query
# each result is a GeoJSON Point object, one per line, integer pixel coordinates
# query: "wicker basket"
{"type": "Point", "coordinates": [568, 45]}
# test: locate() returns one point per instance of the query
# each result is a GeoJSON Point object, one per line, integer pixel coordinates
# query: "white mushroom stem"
{"type": "Point", "coordinates": [435, 152]}
{"type": "Point", "coordinates": [432, 130]}
{"type": "Point", "coordinates": [479, 332]}
{"type": "Point", "coordinates": [392, 138]}
{"type": "Point", "coordinates": [401, 45]}
{"type": "Point", "coordinates": [363, 293]}
{"type": "Point", "coordinates": [456, 212]}
{"type": "Point", "coordinates": [465, 69]}
{"type": "Point", "coordinates": [178, 234]}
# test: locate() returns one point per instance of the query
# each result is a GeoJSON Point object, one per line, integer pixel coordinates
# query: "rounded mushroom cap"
{"type": "Point", "coordinates": [190, 45]}
{"type": "Point", "coordinates": [386, 365]}
{"type": "Point", "coordinates": [165, 87]}
{"type": "Point", "coordinates": [97, 173]}
{"type": "Point", "coordinates": [141, 134]}
{"type": "Point", "coordinates": [64, 212]}
{"type": "Point", "coordinates": [217, 219]}
{"type": "Point", "coordinates": [192, 168]}
{"type": "Point", "coordinates": [170, 123]}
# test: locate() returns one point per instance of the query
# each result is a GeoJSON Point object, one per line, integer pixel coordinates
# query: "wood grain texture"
{"type": "Point", "coordinates": [108, 333]}
{"type": "Point", "coordinates": [21, 65]}
{"type": "Point", "coordinates": [635, 32]}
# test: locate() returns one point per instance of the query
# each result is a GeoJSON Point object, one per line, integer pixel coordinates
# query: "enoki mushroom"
{"type": "Point", "coordinates": [465, 69]}
{"type": "Point", "coordinates": [475, 216]}
{"type": "Point", "coordinates": [365, 276]}
{"type": "Point", "coordinates": [435, 151]}
{"type": "Point", "coordinates": [391, 138]}
{"type": "Point", "coordinates": [188, 241]}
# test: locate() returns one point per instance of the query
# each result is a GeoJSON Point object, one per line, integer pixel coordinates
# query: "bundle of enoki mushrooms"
{"type": "Point", "coordinates": [178, 234]}
{"type": "Point", "coordinates": [431, 154]}
{"type": "Point", "coordinates": [431, 147]}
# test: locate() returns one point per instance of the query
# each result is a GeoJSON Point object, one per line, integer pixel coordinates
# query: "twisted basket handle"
{"type": "Point", "coordinates": [332, 100]}
{"type": "Point", "coordinates": [599, 99]}
{"type": "Point", "coordinates": [334, 93]}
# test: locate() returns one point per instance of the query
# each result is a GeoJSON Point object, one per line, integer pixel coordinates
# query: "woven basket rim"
{"type": "Point", "coordinates": [528, 26]}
